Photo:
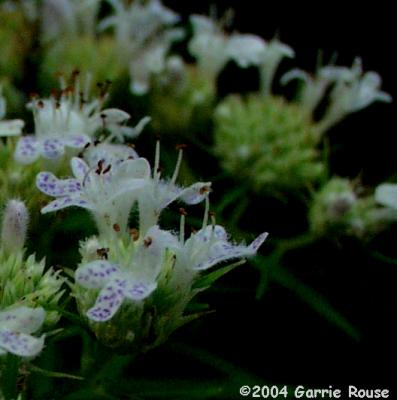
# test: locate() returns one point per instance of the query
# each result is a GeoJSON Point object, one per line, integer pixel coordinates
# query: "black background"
{"type": "Point", "coordinates": [280, 338]}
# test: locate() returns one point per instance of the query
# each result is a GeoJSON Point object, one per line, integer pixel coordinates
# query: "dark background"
{"type": "Point", "coordinates": [279, 338]}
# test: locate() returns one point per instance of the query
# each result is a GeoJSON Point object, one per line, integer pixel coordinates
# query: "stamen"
{"type": "Point", "coordinates": [134, 234]}
{"type": "Point", "coordinates": [206, 211]}
{"type": "Point", "coordinates": [183, 213]}
{"type": "Point", "coordinates": [156, 172]}
{"type": "Point", "coordinates": [178, 162]}
{"type": "Point", "coordinates": [116, 227]}
{"type": "Point", "coordinates": [107, 169]}
{"type": "Point", "coordinates": [147, 242]}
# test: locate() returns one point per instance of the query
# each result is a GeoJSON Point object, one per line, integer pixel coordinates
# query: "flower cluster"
{"type": "Point", "coordinates": [131, 271]}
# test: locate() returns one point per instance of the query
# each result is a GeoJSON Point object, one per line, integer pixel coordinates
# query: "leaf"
{"type": "Point", "coordinates": [208, 279]}
{"type": "Point", "coordinates": [54, 374]}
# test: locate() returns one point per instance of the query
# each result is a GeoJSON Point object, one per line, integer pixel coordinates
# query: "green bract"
{"type": "Point", "coordinates": [268, 141]}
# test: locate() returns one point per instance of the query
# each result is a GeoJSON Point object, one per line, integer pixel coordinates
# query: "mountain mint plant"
{"type": "Point", "coordinates": [103, 255]}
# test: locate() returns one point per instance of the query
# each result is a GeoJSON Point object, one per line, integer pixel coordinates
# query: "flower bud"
{"type": "Point", "coordinates": [14, 226]}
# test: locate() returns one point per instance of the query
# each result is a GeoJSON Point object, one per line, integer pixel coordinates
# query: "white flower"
{"type": "Point", "coordinates": [208, 45]}
{"type": "Point", "coordinates": [151, 60]}
{"type": "Point", "coordinates": [70, 121]}
{"type": "Point", "coordinates": [246, 49]}
{"type": "Point", "coordinates": [144, 36]}
{"type": "Point", "coordinates": [386, 195]}
{"type": "Point", "coordinates": [107, 190]}
{"type": "Point", "coordinates": [132, 282]}
{"type": "Point", "coordinates": [312, 89]}
{"type": "Point", "coordinates": [272, 56]}
{"type": "Point", "coordinates": [210, 246]}
{"type": "Point", "coordinates": [159, 193]}
{"type": "Point", "coordinates": [353, 90]}
{"type": "Point", "coordinates": [8, 127]}
{"type": "Point", "coordinates": [16, 326]}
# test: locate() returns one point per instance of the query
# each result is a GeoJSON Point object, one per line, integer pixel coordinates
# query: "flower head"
{"type": "Point", "coordinates": [69, 120]}
{"type": "Point", "coordinates": [134, 281]}
{"type": "Point", "coordinates": [16, 326]}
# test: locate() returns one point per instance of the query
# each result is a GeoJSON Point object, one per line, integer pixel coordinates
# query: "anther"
{"type": "Point", "coordinates": [116, 227]}
{"type": "Point", "coordinates": [147, 241]}
{"type": "Point", "coordinates": [103, 253]}
{"type": "Point", "coordinates": [107, 169]}
{"type": "Point", "coordinates": [134, 234]}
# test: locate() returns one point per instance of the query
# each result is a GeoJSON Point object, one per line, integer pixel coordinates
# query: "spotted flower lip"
{"type": "Point", "coordinates": [134, 282]}
{"type": "Point", "coordinates": [16, 326]}
{"type": "Point", "coordinates": [107, 190]}
{"type": "Point", "coordinates": [210, 246]}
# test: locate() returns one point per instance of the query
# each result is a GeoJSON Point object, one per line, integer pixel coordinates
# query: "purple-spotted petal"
{"type": "Point", "coordinates": [79, 168]}
{"type": "Point", "coordinates": [20, 344]}
{"type": "Point", "coordinates": [258, 241]}
{"type": "Point", "coordinates": [76, 141]}
{"type": "Point", "coordinates": [139, 290]}
{"type": "Point", "coordinates": [224, 251]}
{"type": "Point", "coordinates": [27, 150]}
{"type": "Point", "coordinates": [211, 232]}
{"type": "Point", "coordinates": [49, 184]}
{"type": "Point", "coordinates": [64, 202]}
{"type": "Point", "coordinates": [22, 319]}
{"type": "Point", "coordinates": [96, 274]}
{"type": "Point", "coordinates": [52, 148]}
{"type": "Point", "coordinates": [109, 301]}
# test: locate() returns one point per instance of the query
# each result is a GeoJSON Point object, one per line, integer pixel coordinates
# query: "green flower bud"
{"type": "Point", "coordinates": [14, 226]}
{"type": "Point", "coordinates": [25, 282]}
{"type": "Point", "coordinates": [267, 141]}
{"type": "Point", "coordinates": [338, 209]}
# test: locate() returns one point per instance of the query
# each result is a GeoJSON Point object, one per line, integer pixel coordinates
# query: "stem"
{"type": "Point", "coordinates": [9, 377]}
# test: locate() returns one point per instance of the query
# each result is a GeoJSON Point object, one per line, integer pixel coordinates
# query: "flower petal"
{"type": "Point", "coordinates": [195, 193]}
{"type": "Point", "coordinates": [96, 274]}
{"type": "Point", "coordinates": [108, 301]}
{"type": "Point", "coordinates": [27, 150]}
{"type": "Point", "coordinates": [76, 141]}
{"type": "Point", "coordinates": [149, 256]}
{"type": "Point", "coordinates": [386, 195]}
{"type": "Point", "coordinates": [52, 148]}
{"type": "Point", "coordinates": [49, 184]}
{"type": "Point", "coordinates": [64, 202]}
{"type": "Point", "coordinates": [79, 168]}
{"type": "Point", "coordinates": [22, 319]}
{"type": "Point", "coordinates": [223, 251]}
{"type": "Point", "coordinates": [20, 344]}
{"type": "Point", "coordinates": [139, 290]}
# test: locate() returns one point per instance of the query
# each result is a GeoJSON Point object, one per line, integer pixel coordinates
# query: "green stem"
{"type": "Point", "coordinates": [9, 377]}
